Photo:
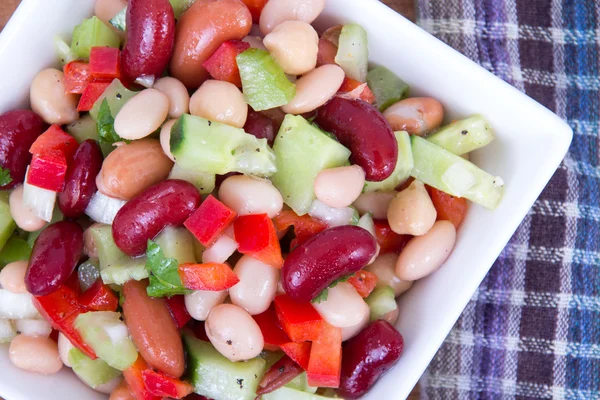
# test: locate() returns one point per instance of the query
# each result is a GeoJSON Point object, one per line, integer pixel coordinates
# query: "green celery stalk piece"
{"type": "Point", "coordinates": [116, 95]}
{"type": "Point", "coordinates": [15, 249]}
{"type": "Point", "coordinates": [93, 372]}
{"type": "Point", "coordinates": [381, 301]}
{"type": "Point", "coordinates": [353, 52]}
{"type": "Point", "coordinates": [85, 128]}
{"type": "Point", "coordinates": [180, 6]}
{"type": "Point", "coordinates": [402, 170]}
{"type": "Point", "coordinates": [204, 182]}
{"type": "Point", "coordinates": [7, 224]}
{"type": "Point", "coordinates": [108, 252]}
{"type": "Point", "coordinates": [463, 136]}
{"type": "Point", "coordinates": [288, 393]}
{"type": "Point", "coordinates": [265, 84]}
{"type": "Point", "coordinates": [386, 86]}
{"type": "Point", "coordinates": [436, 166]}
{"type": "Point", "coordinates": [63, 51]}
{"type": "Point", "coordinates": [33, 236]}
{"type": "Point", "coordinates": [92, 33]}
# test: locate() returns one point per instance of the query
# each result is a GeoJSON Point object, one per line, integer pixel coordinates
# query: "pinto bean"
{"type": "Point", "coordinates": [416, 115]}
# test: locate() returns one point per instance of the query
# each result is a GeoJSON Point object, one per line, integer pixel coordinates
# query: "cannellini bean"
{"type": "Point", "coordinates": [220, 101]}
{"type": "Point", "coordinates": [23, 216]}
{"type": "Point", "coordinates": [344, 307]}
{"type": "Point", "coordinates": [110, 386]}
{"type": "Point", "coordinates": [234, 333]}
{"type": "Point", "coordinates": [257, 286]}
{"type": "Point", "coordinates": [143, 114]}
{"type": "Point", "coordinates": [294, 45]}
{"type": "Point", "coordinates": [50, 100]}
{"type": "Point", "coordinates": [339, 187]}
{"type": "Point", "coordinates": [249, 195]}
{"type": "Point", "coordinates": [277, 11]}
{"type": "Point", "coordinates": [412, 212]}
{"type": "Point", "coordinates": [392, 316]}
{"type": "Point", "coordinates": [384, 267]}
{"type": "Point", "coordinates": [121, 392]}
{"type": "Point", "coordinates": [179, 98]}
{"type": "Point", "coordinates": [416, 115]}
{"type": "Point", "coordinates": [422, 255]}
{"type": "Point", "coordinates": [33, 327]}
{"type": "Point", "coordinates": [200, 302]}
{"type": "Point", "coordinates": [220, 250]}
{"type": "Point", "coordinates": [64, 346]}
{"type": "Point", "coordinates": [351, 331]}
{"type": "Point", "coordinates": [12, 277]}
{"type": "Point", "coordinates": [165, 138]}
{"type": "Point", "coordinates": [315, 89]}
{"type": "Point", "coordinates": [35, 354]}
{"type": "Point", "coordinates": [376, 203]}
{"type": "Point", "coordinates": [255, 42]}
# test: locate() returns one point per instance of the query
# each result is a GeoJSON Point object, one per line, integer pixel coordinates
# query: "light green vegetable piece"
{"type": "Point", "coordinates": [287, 393]}
{"type": "Point", "coordinates": [204, 182]}
{"type": "Point", "coordinates": [463, 136]}
{"type": "Point", "coordinates": [93, 372]}
{"type": "Point", "coordinates": [63, 51]}
{"type": "Point", "coordinates": [381, 301]}
{"type": "Point", "coordinates": [386, 86]}
{"type": "Point", "coordinates": [7, 224]}
{"type": "Point", "coordinates": [85, 128]}
{"type": "Point", "coordinates": [402, 170]}
{"type": "Point", "coordinates": [116, 95]}
{"type": "Point", "coordinates": [15, 249]}
{"type": "Point", "coordinates": [92, 33]}
{"type": "Point", "coordinates": [353, 52]}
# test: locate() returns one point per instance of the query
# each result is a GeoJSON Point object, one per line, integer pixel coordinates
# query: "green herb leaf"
{"type": "Point", "coordinates": [163, 273]}
{"type": "Point", "coordinates": [325, 293]}
{"type": "Point", "coordinates": [106, 125]}
{"type": "Point", "coordinates": [5, 177]}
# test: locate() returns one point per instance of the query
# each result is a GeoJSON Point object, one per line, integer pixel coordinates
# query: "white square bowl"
{"type": "Point", "coordinates": [531, 142]}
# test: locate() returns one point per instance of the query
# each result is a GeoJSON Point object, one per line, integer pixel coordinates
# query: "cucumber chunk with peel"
{"type": "Point", "coordinates": [464, 136]}
{"type": "Point", "coordinates": [90, 33]}
{"type": "Point", "coordinates": [353, 52]}
{"type": "Point", "coordinates": [381, 301]}
{"type": "Point", "coordinates": [402, 170]}
{"type": "Point", "coordinates": [93, 372]}
{"type": "Point", "coordinates": [386, 86]}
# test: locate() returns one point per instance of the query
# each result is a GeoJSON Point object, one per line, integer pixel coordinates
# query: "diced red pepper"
{"type": "Point", "coordinates": [105, 63]}
{"type": "Point", "coordinates": [305, 226]}
{"type": "Point", "coordinates": [257, 238]}
{"type": "Point", "coordinates": [135, 380]}
{"type": "Point", "coordinates": [60, 309]}
{"type": "Point", "coordinates": [99, 297]}
{"type": "Point", "coordinates": [222, 65]}
{"type": "Point", "coordinates": [357, 90]}
{"type": "Point", "coordinates": [208, 276]}
{"type": "Point", "coordinates": [91, 94]}
{"type": "Point", "coordinates": [162, 385]}
{"type": "Point", "coordinates": [76, 76]}
{"type": "Point", "coordinates": [273, 335]}
{"type": "Point", "coordinates": [282, 372]}
{"type": "Point", "coordinates": [364, 282]}
{"type": "Point", "coordinates": [299, 352]}
{"type": "Point", "coordinates": [255, 7]}
{"type": "Point", "coordinates": [176, 305]}
{"type": "Point", "coordinates": [55, 141]}
{"type": "Point", "coordinates": [209, 220]}
{"type": "Point", "coordinates": [448, 207]}
{"type": "Point", "coordinates": [48, 172]}
{"type": "Point", "coordinates": [388, 240]}
{"type": "Point", "coordinates": [299, 320]}
{"type": "Point", "coordinates": [325, 364]}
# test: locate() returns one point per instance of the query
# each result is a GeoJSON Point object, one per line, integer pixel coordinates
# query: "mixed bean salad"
{"type": "Point", "coordinates": [247, 241]}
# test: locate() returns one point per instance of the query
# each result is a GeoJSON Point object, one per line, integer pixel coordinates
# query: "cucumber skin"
{"type": "Point", "coordinates": [463, 136]}
{"type": "Point", "coordinates": [381, 301]}
{"type": "Point", "coordinates": [177, 243]}
{"type": "Point", "coordinates": [116, 95]}
{"type": "Point", "coordinates": [402, 170]}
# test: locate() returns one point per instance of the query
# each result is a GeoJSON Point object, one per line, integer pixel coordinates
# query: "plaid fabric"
{"type": "Point", "coordinates": [532, 330]}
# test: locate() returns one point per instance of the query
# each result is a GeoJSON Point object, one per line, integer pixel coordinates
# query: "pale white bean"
{"type": "Point", "coordinates": [35, 354]}
{"type": "Point", "coordinates": [339, 187]}
{"type": "Point", "coordinates": [143, 114]}
{"type": "Point", "coordinates": [422, 255]}
{"type": "Point", "coordinates": [33, 327]}
{"type": "Point", "coordinates": [64, 346]}
{"type": "Point", "coordinates": [278, 11]}
{"type": "Point", "coordinates": [234, 333]}
{"type": "Point", "coordinates": [12, 277]}
{"type": "Point", "coordinates": [351, 331]}
{"type": "Point", "coordinates": [179, 98]}
{"type": "Point", "coordinates": [384, 267]}
{"type": "Point", "coordinates": [344, 307]}
{"type": "Point", "coordinates": [257, 286]}
{"type": "Point", "coordinates": [200, 302]}
{"type": "Point", "coordinates": [376, 203]}
{"type": "Point", "coordinates": [412, 212]}
{"type": "Point", "coordinates": [249, 195]}
{"type": "Point", "coordinates": [23, 216]}
{"type": "Point", "coordinates": [315, 89]}
{"type": "Point", "coordinates": [110, 386]}
{"type": "Point", "coordinates": [416, 115]}
{"type": "Point", "coordinates": [49, 98]}
{"type": "Point", "coordinates": [392, 316]}
{"type": "Point", "coordinates": [165, 138]}
{"type": "Point", "coordinates": [255, 42]}
{"type": "Point", "coordinates": [294, 45]}
{"type": "Point", "coordinates": [220, 101]}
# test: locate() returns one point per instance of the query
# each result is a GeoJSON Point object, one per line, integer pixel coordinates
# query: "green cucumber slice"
{"type": "Point", "coordinates": [287, 393]}
{"type": "Point", "coordinates": [7, 224]}
{"type": "Point", "coordinates": [86, 128]}
{"type": "Point", "coordinates": [177, 243]}
{"type": "Point", "coordinates": [381, 301]}
{"type": "Point", "coordinates": [125, 271]}
{"type": "Point", "coordinates": [116, 95]}
{"type": "Point", "coordinates": [301, 383]}
{"type": "Point", "coordinates": [15, 249]}
{"type": "Point", "coordinates": [204, 182]}
{"type": "Point", "coordinates": [63, 51]}
{"type": "Point", "coordinates": [464, 136]}
{"type": "Point", "coordinates": [386, 86]}
{"type": "Point", "coordinates": [402, 170]}
{"type": "Point", "coordinates": [92, 33]}
{"type": "Point", "coordinates": [92, 372]}
{"type": "Point", "coordinates": [353, 52]}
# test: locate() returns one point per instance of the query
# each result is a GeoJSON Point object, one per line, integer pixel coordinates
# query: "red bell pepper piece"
{"type": "Point", "coordinates": [448, 207]}
{"type": "Point", "coordinates": [48, 172]}
{"type": "Point", "coordinates": [105, 63]}
{"type": "Point", "coordinates": [91, 94]}
{"type": "Point", "coordinates": [135, 380]}
{"type": "Point", "coordinates": [299, 352]}
{"type": "Point", "coordinates": [176, 305]}
{"type": "Point", "coordinates": [60, 309]}
{"type": "Point", "coordinates": [273, 335]}
{"type": "Point", "coordinates": [162, 385]}
{"type": "Point", "coordinates": [305, 226]}
{"type": "Point", "coordinates": [76, 76]}
{"type": "Point", "coordinates": [255, 7]}
{"type": "Point", "coordinates": [388, 240]}
{"type": "Point", "coordinates": [257, 238]}
{"type": "Point", "coordinates": [55, 141]}
{"type": "Point", "coordinates": [325, 364]}
{"type": "Point", "coordinates": [209, 276]}
{"type": "Point", "coordinates": [299, 320]}
{"type": "Point", "coordinates": [282, 372]}
{"type": "Point", "coordinates": [357, 90]}
{"type": "Point", "coordinates": [222, 65]}
{"type": "Point", "coordinates": [209, 220]}
{"type": "Point", "coordinates": [99, 297]}
{"type": "Point", "coordinates": [364, 282]}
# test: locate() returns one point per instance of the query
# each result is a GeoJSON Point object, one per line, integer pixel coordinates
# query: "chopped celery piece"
{"type": "Point", "coordinates": [63, 51]}
{"type": "Point", "coordinates": [204, 182]}
{"type": "Point", "coordinates": [381, 301]}
{"type": "Point", "coordinates": [214, 376]}
{"type": "Point", "coordinates": [386, 86]}
{"type": "Point", "coordinates": [92, 372]}
{"type": "Point", "coordinates": [119, 21]}
{"type": "Point", "coordinates": [463, 136]}
{"type": "Point", "coordinates": [302, 152]}
{"type": "Point", "coordinates": [353, 52]}
{"type": "Point", "coordinates": [211, 147]}
{"type": "Point", "coordinates": [15, 249]}
{"type": "Point", "coordinates": [163, 271]}
{"type": "Point", "coordinates": [7, 224]}
{"type": "Point", "coordinates": [116, 95]}
{"type": "Point", "coordinates": [177, 243]}
{"type": "Point", "coordinates": [447, 172]}
{"type": "Point", "coordinates": [301, 383]}
{"type": "Point", "coordinates": [85, 128]}
{"type": "Point", "coordinates": [124, 271]}
{"type": "Point", "coordinates": [108, 336]}
{"type": "Point", "coordinates": [402, 170]}
{"type": "Point", "coordinates": [265, 84]}
{"type": "Point", "coordinates": [92, 33]}
{"type": "Point", "coordinates": [287, 393]}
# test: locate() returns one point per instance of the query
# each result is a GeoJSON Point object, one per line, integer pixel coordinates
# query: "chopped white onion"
{"type": "Point", "coordinates": [16, 305]}
{"type": "Point", "coordinates": [33, 327]}
{"type": "Point", "coordinates": [220, 251]}
{"type": "Point", "coordinates": [366, 222]}
{"type": "Point", "coordinates": [330, 215]}
{"type": "Point", "coordinates": [40, 201]}
{"type": "Point", "coordinates": [7, 331]}
{"type": "Point", "coordinates": [459, 179]}
{"type": "Point", "coordinates": [116, 331]}
{"type": "Point", "coordinates": [146, 81]}
{"type": "Point", "coordinates": [103, 208]}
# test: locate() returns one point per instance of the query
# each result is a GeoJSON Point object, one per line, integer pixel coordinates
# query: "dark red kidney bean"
{"type": "Point", "coordinates": [150, 38]}
{"type": "Point", "coordinates": [54, 257]}
{"type": "Point", "coordinates": [167, 203]}
{"type": "Point", "coordinates": [278, 375]}
{"type": "Point", "coordinates": [220, 178]}
{"type": "Point", "coordinates": [261, 126]}
{"type": "Point", "coordinates": [363, 129]}
{"type": "Point", "coordinates": [80, 180]}
{"type": "Point", "coordinates": [367, 356]}
{"type": "Point", "coordinates": [324, 258]}
{"type": "Point", "coordinates": [18, 131]}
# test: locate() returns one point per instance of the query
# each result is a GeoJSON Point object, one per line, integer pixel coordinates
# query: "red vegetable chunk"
{"type": "Point", "coordinates": [273, 335]}
{"type": "Point", "coordinates": [48, 172]}
{"type": "Point", "coordinates": [327, 52]}
{"type": "Point", "coordinates": [299, 352]}
{"type": "Point", "coordinates": [388, 240]}
{"type": "Point", "coordinates": [255, 7]}
{"type": "Point", "coordinates": [105, 63]}
{"type": "Point", "coordinates": [99, 297]}
{"type": "Point", "coordinates": [299, 320]}
{"type": "Point", "coordinates": [448, 207]}
{"type": "Point", "coordinates": [222, 65]}
{"type": "Point", "coordinates": [54, 141]}
{"type": "Point", "coordinates": [305, 226]}
{"type": "Point", "coordinates": [176, 305]}
{"type": "Point", "coordinates": [364, 282]}
{"type": "Point", "coordinates": [162, 385]}
{"type": "Point", "coordinates": [77, 76]}
{"type": "Point", "coordinates": [91, 94]}
{"type": "Point", "coordinates": [325, 363]}
{"type": "Point", "coordinates": [209, 276]}
{"type": "Point", "coordinates": [257, 238]}
{"type": "Point", "coordinates": [135, 380]}
{"type": "Point", "coordinates": [209, 221]}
